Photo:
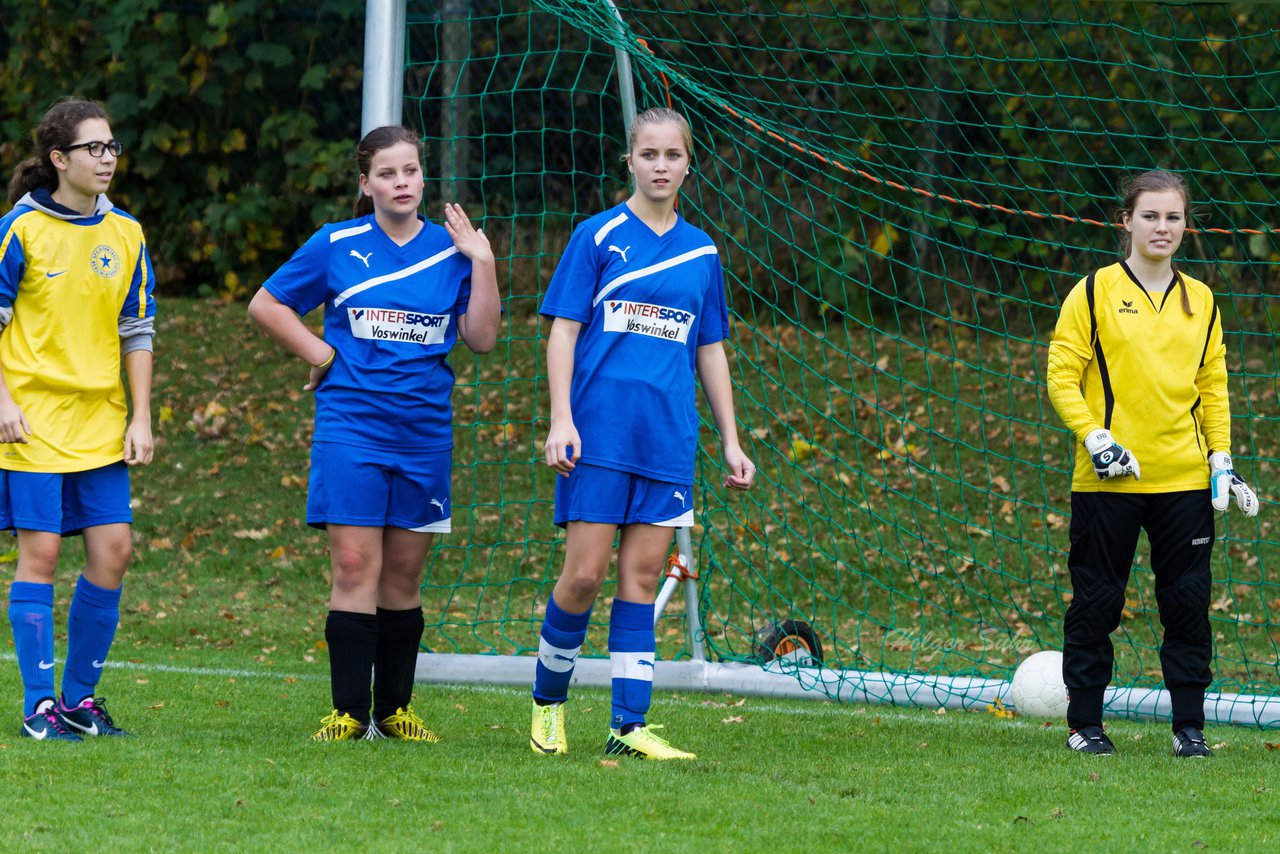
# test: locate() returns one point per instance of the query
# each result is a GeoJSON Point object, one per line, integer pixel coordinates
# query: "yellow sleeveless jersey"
{"type": "Point", "coordinates": [1136, 364]}
{"type": "Point", "coordinates": [69, 285]}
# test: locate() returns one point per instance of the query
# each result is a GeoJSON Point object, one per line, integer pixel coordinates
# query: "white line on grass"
{"type": "Point", "coordinates": [817, 709]}
{"type": "Point", "coordinates": [200, 671]}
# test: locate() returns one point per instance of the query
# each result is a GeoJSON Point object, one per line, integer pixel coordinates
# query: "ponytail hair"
{"type": "Point", "coordinates": [1154, 181]}
{"type": "Point", "coordinates": [56, 131]}
{"type": "Point", "coordinates": [374, 141]}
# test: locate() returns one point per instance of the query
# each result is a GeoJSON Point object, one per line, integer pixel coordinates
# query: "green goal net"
{"type": "Point", "coordinates": [902, 194]}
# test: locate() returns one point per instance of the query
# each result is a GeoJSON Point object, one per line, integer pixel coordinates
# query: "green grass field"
{"type": "Point", "coordinates": [220, 667]}
{"type": "Point", "coordinates": [221, 762]}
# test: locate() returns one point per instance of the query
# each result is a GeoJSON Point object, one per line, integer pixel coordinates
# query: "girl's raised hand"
{"type": "Point", "coordinates": [470, 242]}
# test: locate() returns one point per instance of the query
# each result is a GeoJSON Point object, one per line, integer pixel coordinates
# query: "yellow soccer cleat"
{"type": "Point", "coordinates": [546, 733]}
{"type": "Point", "coordinates": [339, 726]}
{"type": "Point", "coordinates": [404, 725]}
{"type": "Point", "coordinates": [642, 743]}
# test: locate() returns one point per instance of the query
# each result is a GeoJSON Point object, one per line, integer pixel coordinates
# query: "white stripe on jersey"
{"type": "Point", "coordinates": [610, 226]}
{"type": "Point", "coordinates": [632, 665]}
{"type": "Point", "coordinates": [391, 277]}
{"type": "Point", "coordinates": [335, 236]}
{"type": "Point", "coordinates": [649, 271]}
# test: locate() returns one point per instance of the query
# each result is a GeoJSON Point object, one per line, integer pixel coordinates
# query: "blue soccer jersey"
{"type": "Point", "coordinates": [392, 313]}
{"type": "Point", "coordinates": [646, 303]}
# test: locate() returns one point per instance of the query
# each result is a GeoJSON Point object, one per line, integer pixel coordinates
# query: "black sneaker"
{"type": "Point", "coordinates": [1091, 739]}
{"type": "Point", "coordinates": [1189, 741]}
{"type": "Point", "coordinates": [90, 717]}
{"type": "Point", "coordinates": [48, 725]}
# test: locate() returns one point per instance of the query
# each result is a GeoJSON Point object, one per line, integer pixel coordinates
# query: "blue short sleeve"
{"type": "Point", "coordinates": [301, 283]}
{"type": "Point", "coordinates": [714, 325]}
{"type": "Point", "coordinates": [573, 285]}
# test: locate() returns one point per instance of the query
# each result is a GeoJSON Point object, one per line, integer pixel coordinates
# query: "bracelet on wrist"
{"type": "Point", "coordinates": [329, 361]}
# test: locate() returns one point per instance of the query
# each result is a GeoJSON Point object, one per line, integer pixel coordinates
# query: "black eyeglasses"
{"type": "Point", "coordinates": [97, 149]}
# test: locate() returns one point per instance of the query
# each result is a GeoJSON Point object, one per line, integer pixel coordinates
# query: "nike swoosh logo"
{"type": "Point", "coordinates": [38, 736]}
{"type": "Point", "coordinates": [97, 664]}
{"type": "Point", "coordinates": [48, 666]}
{"type": "Point", "coordinates": [52, 275]}
{"type": "Point", "coordinates": [89, 730]}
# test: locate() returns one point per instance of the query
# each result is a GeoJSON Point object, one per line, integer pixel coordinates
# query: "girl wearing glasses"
{"type": "Point", "coordinates": [75, 302]}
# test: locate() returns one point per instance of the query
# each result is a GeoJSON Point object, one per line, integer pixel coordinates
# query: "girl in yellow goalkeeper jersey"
{"type": "Point", "coordinates": [75, 302]}
{"type": "Point", "coordinates": [1137, 371]}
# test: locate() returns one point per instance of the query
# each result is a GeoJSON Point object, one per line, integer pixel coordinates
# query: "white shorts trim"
{"type": "Point", "coordinates": [684, 520]}
{"type": "Point", "coordinates": [442, 526]}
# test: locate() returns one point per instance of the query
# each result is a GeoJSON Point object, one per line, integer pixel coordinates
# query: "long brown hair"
{"type": "Point", "coordinates": [1154, 181]}
{"type": "Point", "coordinates": [377, 140]}
{"type": "Point", "coordinates": [55, 132]}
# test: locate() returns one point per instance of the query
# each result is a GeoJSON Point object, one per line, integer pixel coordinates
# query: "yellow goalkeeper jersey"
{"type": "Point", "coordinates": [72, 287]}
{"type": "Point", "coordinates": [1136, 364]}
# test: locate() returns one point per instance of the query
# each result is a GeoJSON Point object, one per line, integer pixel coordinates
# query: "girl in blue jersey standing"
{"type": "Point", "coordinates": [75, 302]}
{"type": "Point", "coordinates": [638, 308]}
{"type": "Point", "coordinates": [398, 292]}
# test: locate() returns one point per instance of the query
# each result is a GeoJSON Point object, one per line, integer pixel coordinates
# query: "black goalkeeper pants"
{"type": "Point", "coordinates": [1104, 538]}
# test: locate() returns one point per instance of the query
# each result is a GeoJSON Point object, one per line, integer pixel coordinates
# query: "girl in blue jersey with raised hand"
{"type": "Point", "coordinates": [398, 292]}
{"type": "Point", "coordinates": [75, 302]}
{"type": "Point", "coordinates": [638, 307]}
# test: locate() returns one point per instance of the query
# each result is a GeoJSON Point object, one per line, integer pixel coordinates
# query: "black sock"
{"type": "Point", "coordinates": [352, 640]}
{"type": "Point", "coordinates": [396, 661]}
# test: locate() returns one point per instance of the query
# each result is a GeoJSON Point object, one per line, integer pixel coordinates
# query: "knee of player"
{"type": "Point", "coordinates": [39, 558]}
{"type": "Point", "coordinates": [584, 582]}
{"type": "Point", "coordinates": [1094, 614]}
{"type": "Point", "coordinates": [351, 568]}
{"type": "Point", "coordinates": [1187, 600]}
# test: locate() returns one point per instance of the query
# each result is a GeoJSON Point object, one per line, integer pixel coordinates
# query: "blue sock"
{"type": "Point", "coordinates": [559, 643]}
{"type": "Point", "coordinates": [31, 616]}
{"type": "Point", "coordinates": [631, 654]}
{"type": "Point", "coordinates": [91, 626]}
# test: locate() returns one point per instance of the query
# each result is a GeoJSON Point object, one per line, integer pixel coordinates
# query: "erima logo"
{"type": "Point", "coordinates": [1200, 541]}
{"type": "Point", "coordinates": [365, 258]}
{"type": "Point", "coordinates": [622, 252]}
{"type": "Point", "coordinates": [1127, 307]}
{"type": "Point", "coordinates": [438, 503]}
{"type": "Point", "coordinates": [680, 495]}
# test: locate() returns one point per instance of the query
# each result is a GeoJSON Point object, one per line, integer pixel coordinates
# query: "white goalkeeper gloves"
{"type": "Point", "coordinates": [1223, 482]}
{"type": "Point", "coordinates": [1109, 459]}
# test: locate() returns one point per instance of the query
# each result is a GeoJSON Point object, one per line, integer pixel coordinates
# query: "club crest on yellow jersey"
{"type": "Point", "coordinates": [105, 261]}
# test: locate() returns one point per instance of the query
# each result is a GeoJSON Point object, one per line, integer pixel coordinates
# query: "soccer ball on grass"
{"type": "Point", "coordinates": [1037, 689]}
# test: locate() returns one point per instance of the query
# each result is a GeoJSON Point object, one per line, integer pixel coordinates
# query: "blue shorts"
{"type": "Point", "coordinates": [594, 494]}
{"type": "Point", "coordinates": [374, 488]}
{"type": "Point", "coordinates": [65, 503]}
